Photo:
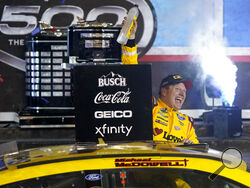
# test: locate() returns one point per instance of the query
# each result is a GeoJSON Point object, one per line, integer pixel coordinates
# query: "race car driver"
{"type": "Point", "coordinates": [168, 124]}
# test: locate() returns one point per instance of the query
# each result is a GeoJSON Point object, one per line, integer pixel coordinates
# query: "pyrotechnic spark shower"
{"type": "Point", "coordinates": [209, 49]}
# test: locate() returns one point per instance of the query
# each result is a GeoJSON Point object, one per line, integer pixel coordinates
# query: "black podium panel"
{"type": "Point", "coordinates": [113, 102]}
{"type": "Point", "coordinates": [226, 121]}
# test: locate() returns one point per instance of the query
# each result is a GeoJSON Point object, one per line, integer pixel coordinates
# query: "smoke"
{"type": "Point", "coordinates": [208, 46]}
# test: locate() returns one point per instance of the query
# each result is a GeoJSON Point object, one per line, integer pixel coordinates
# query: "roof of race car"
{"type": "Point", "coordinates": [102, 150]}
{"type": "Point", "coordinates": [87, 156]}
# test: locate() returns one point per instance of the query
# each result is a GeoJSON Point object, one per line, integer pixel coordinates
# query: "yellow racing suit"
{"type": "Point", "coordinates": [168, 124]}
{"type": "Point", "coordinates": [129, 55]}
{"type": "Point", "coordinates": [162, 120]}
{"type": "Point", "coordinates": [171, 125]}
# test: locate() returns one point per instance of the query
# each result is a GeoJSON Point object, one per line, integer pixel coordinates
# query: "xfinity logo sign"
{"type": "Point", "coordinates": [112, 79]}
{"type": "Point", "coordinates": [106, 130]}
{"type": "Point", "coordinates": [113, 114]}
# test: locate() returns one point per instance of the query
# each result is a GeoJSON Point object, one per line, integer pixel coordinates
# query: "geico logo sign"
{"type": "Point", "coordinates": [103, 130]}
{"type": "Point", "coordinates": [111, 79]}
{"type": "Point", "coordinates": [113, 114]}
{"type": "Point", "coordinates": [118, 97]}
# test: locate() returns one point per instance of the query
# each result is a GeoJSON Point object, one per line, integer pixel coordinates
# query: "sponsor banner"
{"type": "Point", "coordinates": [113, 102]}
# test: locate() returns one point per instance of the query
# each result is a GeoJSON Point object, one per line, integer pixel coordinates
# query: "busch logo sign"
{"type": "Point", "coordinates": [111, 79]}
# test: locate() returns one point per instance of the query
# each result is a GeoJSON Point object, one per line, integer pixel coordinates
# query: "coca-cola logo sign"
{"type": "Point", "coordinates": [115, 98]}
{"type": "Point", "coordinates": [20, 19]}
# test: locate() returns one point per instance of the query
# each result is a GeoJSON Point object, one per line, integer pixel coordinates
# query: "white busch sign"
{"type": "Point", "coordinates": [111, 79]}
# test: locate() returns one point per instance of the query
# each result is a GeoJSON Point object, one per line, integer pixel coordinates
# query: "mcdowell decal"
{"type": "Point", "coordinates": [148, 162]}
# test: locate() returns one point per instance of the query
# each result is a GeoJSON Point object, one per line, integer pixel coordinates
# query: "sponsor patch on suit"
{"type": "Point", "coordinates": [162, 119]}
{"type": "Point", "coordinates": [163, 115]}
{"type": "Point", "coordinates": [161, 122]}
{"type": "Point", "coordinates": [164, 110]}
{"type": "Point", "coordinates": [180, 117]}
{"type": "Point", "coordinates": [181, 123]}
{"type": "Point", "coordinates": [177, 128]}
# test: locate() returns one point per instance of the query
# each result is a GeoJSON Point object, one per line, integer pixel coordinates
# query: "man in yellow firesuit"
{"type": "Point", "coordinates": [168, 123]}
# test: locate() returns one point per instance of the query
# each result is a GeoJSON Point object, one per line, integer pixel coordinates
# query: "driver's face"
{"type": "Point", "coordinates": [175, 96]}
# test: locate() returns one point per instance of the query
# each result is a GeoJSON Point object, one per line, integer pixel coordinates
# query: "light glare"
{"type": "Point", "coordinates": [213, 60]}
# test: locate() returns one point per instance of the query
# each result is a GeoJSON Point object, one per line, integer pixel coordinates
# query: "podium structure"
{"type": "Point", "coordinates": [112, 102]}
{"type": "Point", "coordinates": [48, 84]}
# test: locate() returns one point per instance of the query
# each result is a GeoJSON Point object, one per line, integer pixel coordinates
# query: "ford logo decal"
{"type": "Point", "coordinates": [93, 177]}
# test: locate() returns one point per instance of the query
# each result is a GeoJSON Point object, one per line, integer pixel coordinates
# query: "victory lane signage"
{"type": "Point", "coordinates": [113, 102]}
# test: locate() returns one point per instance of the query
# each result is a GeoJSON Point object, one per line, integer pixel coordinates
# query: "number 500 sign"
{"type": "Point", "coordinates": [23, 19]}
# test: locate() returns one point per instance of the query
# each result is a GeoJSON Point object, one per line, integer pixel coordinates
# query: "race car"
{"type": "Point", "coordinates": [128, 164]}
